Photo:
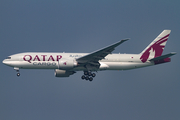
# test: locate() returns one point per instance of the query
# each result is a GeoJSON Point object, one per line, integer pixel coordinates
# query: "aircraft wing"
{"type": "Point", "coordinates": [95, 56]}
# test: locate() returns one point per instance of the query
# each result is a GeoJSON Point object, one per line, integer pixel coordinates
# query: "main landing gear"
{"type": "Point", "coordinates": [88, 76]}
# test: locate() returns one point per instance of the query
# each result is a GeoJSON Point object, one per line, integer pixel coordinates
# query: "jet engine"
{"type": "Point", "coordinates": [65, 64]}
{"type": "Point", "coordinates": [63, 73]}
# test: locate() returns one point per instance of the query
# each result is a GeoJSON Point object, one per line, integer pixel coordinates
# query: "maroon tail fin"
{"type": "Point", "coordinates": [155, 48]}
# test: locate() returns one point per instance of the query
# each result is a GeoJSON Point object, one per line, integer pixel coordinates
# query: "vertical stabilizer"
{"type": "Point", "coordinates": [156, 47]}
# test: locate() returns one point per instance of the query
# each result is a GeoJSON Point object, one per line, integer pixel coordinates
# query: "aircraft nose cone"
{"type": "Point", "coordinates": [5, 62]}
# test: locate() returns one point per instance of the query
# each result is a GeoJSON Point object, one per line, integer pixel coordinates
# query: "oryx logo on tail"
{"type": "Point", "coordinates": [156, 48]}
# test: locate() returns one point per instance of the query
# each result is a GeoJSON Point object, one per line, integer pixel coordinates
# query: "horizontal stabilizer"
{"type": "Point", "coordinates": [163, 56]}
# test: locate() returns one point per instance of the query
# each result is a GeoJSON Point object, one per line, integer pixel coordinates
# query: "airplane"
{"type": "Point", "coordinates": [66, 64]}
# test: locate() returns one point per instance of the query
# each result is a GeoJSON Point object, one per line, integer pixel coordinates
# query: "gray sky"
{"type": "Point", "coordinates": [150, 93]}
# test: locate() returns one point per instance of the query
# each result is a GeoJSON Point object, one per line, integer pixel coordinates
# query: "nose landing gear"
{"type": "Point", "coordinates": [88, 75]}
{"type": "Point", "coordinates": [17, 70]}
{"type": "Point", "coordinates": [18, 74]}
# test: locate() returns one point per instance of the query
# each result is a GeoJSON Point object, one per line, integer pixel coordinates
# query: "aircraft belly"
{"type": "Point", "coordinates": [125, 65]}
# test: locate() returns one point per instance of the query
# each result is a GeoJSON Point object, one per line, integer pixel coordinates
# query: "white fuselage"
{"type": "Point", "coordinates": [66, 64]}
{"type": "Point", "coordinates": [42, 60]}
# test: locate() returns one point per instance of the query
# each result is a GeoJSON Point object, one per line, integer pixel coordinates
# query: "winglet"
{"type": "Point", "coordinates": [125, 39]}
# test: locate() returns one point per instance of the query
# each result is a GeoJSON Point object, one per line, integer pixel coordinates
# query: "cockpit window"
{"type": "Point", "coordinates": [8, 58]}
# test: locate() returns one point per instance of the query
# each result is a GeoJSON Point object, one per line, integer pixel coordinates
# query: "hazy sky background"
{"type": "Point", "coordinates": [150, 93]}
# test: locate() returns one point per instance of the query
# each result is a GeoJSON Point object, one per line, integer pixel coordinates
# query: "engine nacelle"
{"type": "Point", "coordinates": [65, 64]}
{"type": "Point", "coordinates": [63, 73]}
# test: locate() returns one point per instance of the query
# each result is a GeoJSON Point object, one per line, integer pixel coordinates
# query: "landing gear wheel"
{"type": "Point", "coordinates": [87, 78]}
{"type": "Point", "coordinates": [83, 77]}
{"type": "Point", "coordinates": [89, 73]}
{"type": "Point", "coordinates": [93, 74]}
{"type": "Point", "coordinates": [90, 79]}
{"type": "Point", "coordinates": [18, 74]}
{"type": "Point", "coordinates": [85, 72]}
